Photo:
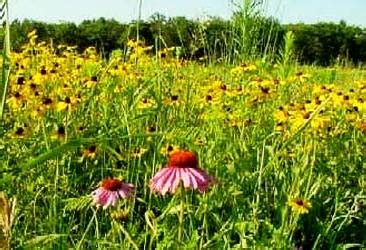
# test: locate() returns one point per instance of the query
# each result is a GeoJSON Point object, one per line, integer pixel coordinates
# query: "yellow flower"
{"type": "Point", "coordinates": [16, 100]}
{"type": "Point", "coordinates": [169, 150]}
{"type": "Point", "coordinates": [151, 129]}
{"type": "Point", "coordinates": [145, 103]}
{"type": "Point", "coordinates": [47, 103]}
{"type": "Point", "coordinates": [321, 122]}
{"type": "Point", "coordinates": [91, 82]}
{"type": "Point", "coordinates": [243, 68]}
{"type": "Point", "coordinates": [299, 206]}
{"type": "Point", "coordinates": [66, 104]}
{"type": "Point", "coordinates": [173, 100]}
{"type": "Point", "coordinates": [210, 98]}
{"type": "Point", "coordinates": [199, 141]}
{"type": "Point", "coordinates": [90, 152]}
{"type": "Point", "coordinates": [311, 106]}
{"type": "Point", "coordinates": [20, 132]}
{"type": "Point", "coordinates": [302, 76]}
{"type": "Point", "coordinates": [280, 127]}
{"type": "Point", "coordinates": [281, 115]}
{"type": "Point", "coordinates": [60, 134]}
{"type": "Point", "coordinates": [119, 89]}
{"type": "Point", "coordinates": [120, 215]}
{"type": "Point", "coordinates": [138, 152]}
{"type": "Point", "coordinates": [32, 34]}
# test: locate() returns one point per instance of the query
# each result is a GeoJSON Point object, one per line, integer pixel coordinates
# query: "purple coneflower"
{"type": "Point", "coordinates": [182, 166]}
{"type": "Point", "coordinates": [110, 191]}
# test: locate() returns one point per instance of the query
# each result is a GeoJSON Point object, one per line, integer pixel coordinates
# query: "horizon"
{"type": "Point", "coordinates": [285, 11]}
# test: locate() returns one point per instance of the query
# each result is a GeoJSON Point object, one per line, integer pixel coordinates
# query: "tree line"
{"type": "Point", "coordinates": [240, 37]}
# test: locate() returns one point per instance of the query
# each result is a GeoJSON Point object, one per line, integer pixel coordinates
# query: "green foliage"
{"type": "Point", "coordinates": [287, 53]}
{"type": "Point", "coordinates": [326, 43]}
{"type": "Point", "coordinates": [248, 35]}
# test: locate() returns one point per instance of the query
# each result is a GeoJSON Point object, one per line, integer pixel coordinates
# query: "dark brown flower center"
{"type": "Point", "coordinates": [47, 101]}
{"type": "Point", "coordinates": [43, 71]}
{"type": "Point", "coordinates": [300, 202]}
{"type": "Point", "coordinates": [19, 131]}
{"type": "Point", "coordinates": [92, 149]}
{"type": "Point", "coordinates": [61, 131]}
{"type": "Point", "coordinates": [20, 80]}
{"type": "Point", "coordinates": [208, 98]}
{"type": "Point", "coordinates": [17, 95]}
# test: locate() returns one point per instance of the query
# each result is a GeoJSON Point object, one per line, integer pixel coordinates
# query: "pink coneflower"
{"type": "Point", "coordinates": [110, 191]}
{"type": "Point", "coordinates": [182, 166]}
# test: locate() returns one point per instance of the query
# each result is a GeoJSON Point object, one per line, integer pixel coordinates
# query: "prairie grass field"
{"type": "Point", "coordinates": [285, 142]}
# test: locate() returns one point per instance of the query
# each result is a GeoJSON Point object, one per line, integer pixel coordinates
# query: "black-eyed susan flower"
{"type": "Point", "coordinates": [301, 76]}
{"type": "Point", "coordinates": [65, 104]}
{"type": "Point", "coordinates": [91, 82]}
{"type": "Point", "coordinates": [20, 132]}
{"type": "Point", "coordinates": [138, 152]}
{"type": "Point", "coordinates": [281, 115]}
{"type": "Point", "coordinates": [47, 103]}
{"type": "Point", "coordinates": [172, 100]}
{"type": "Point", "coordinates": [120, 215]}
{"type": "Point", "coordinates": [169, 149]}
{"type": "Point", "coordinates": [16, 100]}
{"type": "Point", "coordinates": [280, 127]}
{"type": "Point", "coordinates": [59, 134]}
{"type": "Point", "coordinates": [299, 205]}
{"type": "Point", "coordinates": [199, 141]}
{"type": "Point", "coordinates": [90, 152]}
{"type": "Point", "coordinates": [151, 129]}
{"type": "Point", "coordinates": [146, 103]}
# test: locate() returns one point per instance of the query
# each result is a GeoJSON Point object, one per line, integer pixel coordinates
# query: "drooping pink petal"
{"type": "Point", "coordinates": [202, 182]}
{"type": "Point", "coordinates": [102, 197]}
{"type": "Point", "coordinates": [177, 180]}
{"type": "Point", "coordinates": [158, 183]}
{"type": "Point", "coordinates": [160, 173]}
{"type": "Point", "coordinates": [168, 183]}
{"type": "Point", "coordinates": [185, 177]}
{"type": "Point", "coordinates": [192, 179]}
{"type": "Point", "coordinates": [126, 190]}
{"type": "Point", "coordinates": [111, 200]}
{"type": "Point", "coordinates": [123, 193]}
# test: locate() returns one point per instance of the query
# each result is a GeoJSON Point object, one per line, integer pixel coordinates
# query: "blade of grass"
{"type": "Point", "coordinates": [6, 61]}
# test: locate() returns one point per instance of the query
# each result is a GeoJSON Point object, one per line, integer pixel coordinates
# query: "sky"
{"type": "Point", "coordinates": [287, 11]}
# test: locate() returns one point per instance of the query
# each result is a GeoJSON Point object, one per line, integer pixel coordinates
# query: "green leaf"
{"type": "Point", "coordinates": [43, 239]}
{"type": "Point", "coordinates": [53, 153]}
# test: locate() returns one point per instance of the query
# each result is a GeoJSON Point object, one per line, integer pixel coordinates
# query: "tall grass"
{"type": "Point", "coordinates": [5, 72]}
{"type": "Point", "coordinates": [252, 36]}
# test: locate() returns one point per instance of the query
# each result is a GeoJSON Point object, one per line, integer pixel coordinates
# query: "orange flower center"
{"type": "Point", "coordinates": [111, 184]}
{"type": "Point", "coordinates": [183, 159]}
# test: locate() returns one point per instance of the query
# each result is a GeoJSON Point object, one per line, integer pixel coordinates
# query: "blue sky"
{"type": "Point", "coordinates": [287, 11]}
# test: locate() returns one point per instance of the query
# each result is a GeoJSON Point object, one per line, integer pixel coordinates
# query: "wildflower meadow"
{"type": "Point", "coordinates": [149, 150]}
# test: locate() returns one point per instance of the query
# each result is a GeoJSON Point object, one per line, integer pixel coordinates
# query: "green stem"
{"type": "Point", "coordinates": [6, 63]}
{"type": "Point", "coordinates": [181, 215]}
{"type": "Point", "coordinates": [45, 134]}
